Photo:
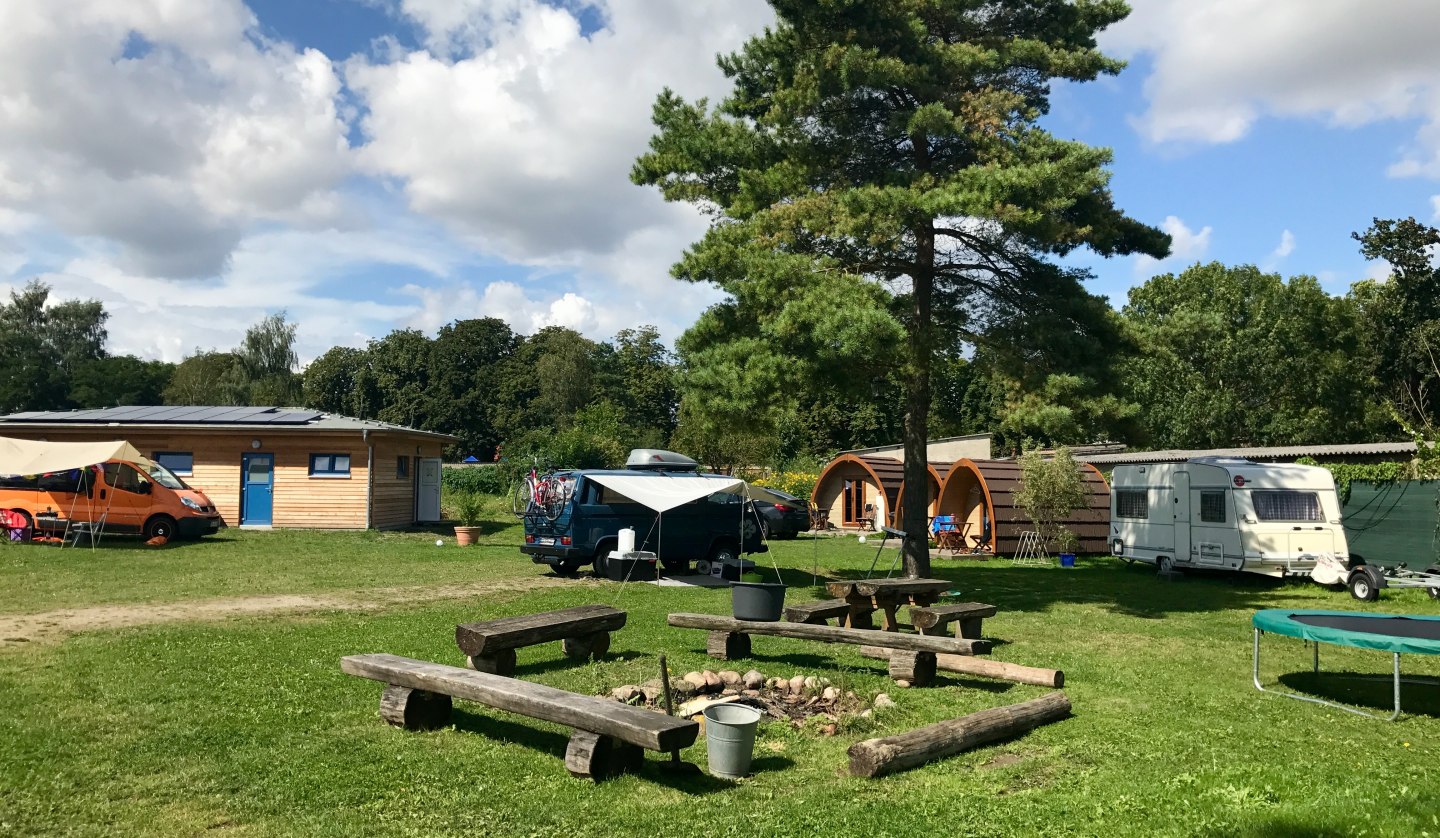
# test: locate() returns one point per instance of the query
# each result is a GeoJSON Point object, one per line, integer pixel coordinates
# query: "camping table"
{"type": "Point", "coordinates": [865, 596]}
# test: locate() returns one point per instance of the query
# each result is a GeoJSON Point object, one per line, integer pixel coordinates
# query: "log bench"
{"type": "Point", "coordinates": [607, 737]}
{"type": "Point", "coordinates": [967, 617]}
{"type": "Point", "coordinates": [583, 632]}
{"type": "Point", "coordinates": [818, 612]}
{"type": "Point", "coordinates": [912, 658]}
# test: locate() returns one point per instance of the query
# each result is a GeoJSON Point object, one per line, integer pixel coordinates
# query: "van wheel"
{"type": "Point", "coordinates": [702, 567]}
{"type": "Point", "coordinates": [160, 525]}
{"type": "Point", "coordinates": [723, 553]}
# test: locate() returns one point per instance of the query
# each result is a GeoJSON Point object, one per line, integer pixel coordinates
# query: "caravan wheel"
{"type": "Point", "coordinates": [1362, 587]}
{"type": "Point", "coordinates": [1165, 565]}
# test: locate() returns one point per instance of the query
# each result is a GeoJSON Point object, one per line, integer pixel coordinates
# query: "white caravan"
{"type": "Point", "coordinates": [1226, 514]}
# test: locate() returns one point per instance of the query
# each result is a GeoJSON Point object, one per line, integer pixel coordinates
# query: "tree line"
{"type": "Point", "coordinates": [1213, 356]}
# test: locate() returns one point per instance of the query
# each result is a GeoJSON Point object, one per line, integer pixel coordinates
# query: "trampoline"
{"type": "Point", "coordinates": [1394, 633]}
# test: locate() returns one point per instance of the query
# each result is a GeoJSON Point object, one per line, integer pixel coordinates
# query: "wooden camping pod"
{"type": "Point", "coordinates": [878, 480]}
{"type": "Point", "coordinates": [977, 490]}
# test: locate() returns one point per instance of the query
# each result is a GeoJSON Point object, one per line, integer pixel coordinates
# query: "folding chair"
{"type": "Point", "coordinates": [89, 530]}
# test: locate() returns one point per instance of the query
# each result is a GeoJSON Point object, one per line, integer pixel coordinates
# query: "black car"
{"type": "Point", "coordinates": [782, 515]}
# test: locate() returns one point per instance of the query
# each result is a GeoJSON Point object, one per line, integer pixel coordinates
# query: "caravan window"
{"type": "Point", "coordinates": [1212, 507]}
{"type": "Point", "coordinates": [1130, 503]}
{"type": "Point", "coordinates": [1274, 505]}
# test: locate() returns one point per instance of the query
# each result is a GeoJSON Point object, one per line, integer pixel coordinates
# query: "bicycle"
{"type": "Point", "coordinates": [538, 494]}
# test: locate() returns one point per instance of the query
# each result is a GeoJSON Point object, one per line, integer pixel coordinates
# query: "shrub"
{"type": "Point", "coordinates": [797, 483]}
{"type": "Point", "coordinates": [1051, 489]}
{"type": "Point", "coordinates": [485, 479]}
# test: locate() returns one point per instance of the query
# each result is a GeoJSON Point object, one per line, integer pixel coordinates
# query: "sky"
{"type": "Point", "coordinates": [371, 165]}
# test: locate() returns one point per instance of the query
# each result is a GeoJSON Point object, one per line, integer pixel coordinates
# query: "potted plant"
{"type": "Point", "coordinates": [752, 598]}
{"type": "Point", "coordinates": [468, 508]}
{"type": "Point", "coordinates": [1067, 543]}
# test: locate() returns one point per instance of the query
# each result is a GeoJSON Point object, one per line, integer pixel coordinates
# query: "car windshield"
{"type": "Point", "coordinates": [165, 477]}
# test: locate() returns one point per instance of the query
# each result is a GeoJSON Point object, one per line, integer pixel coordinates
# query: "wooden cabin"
{"type": "Point", "coordinates": [935, 474]}
{"type": "Point", "coordinates": [270, 467]}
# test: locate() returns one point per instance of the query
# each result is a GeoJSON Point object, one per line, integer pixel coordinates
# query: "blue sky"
{"type": "Point", "coordinates": [367, 165]}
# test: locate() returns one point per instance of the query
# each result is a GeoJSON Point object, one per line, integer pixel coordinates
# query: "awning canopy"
{"type": "Point", "coordinates": [28, 456]}
{"type": "Point", "coordinates": [661, 491]}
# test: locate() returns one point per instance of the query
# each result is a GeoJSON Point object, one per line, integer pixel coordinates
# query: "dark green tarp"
{"type": "Point", "coordinates": [1393, 522]}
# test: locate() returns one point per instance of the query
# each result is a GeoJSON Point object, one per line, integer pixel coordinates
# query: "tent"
{"type": "Point", "coordinates": [27, 456]}
{"type": "Point", "coordinates": [661, 491]}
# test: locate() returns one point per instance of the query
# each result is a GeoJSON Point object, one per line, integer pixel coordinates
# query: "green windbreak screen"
{"type": "Point", "coordinates": [1389, 523]}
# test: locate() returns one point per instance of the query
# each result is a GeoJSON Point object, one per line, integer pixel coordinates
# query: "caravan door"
{"type": "Point", "coordinates": [1182, 517]}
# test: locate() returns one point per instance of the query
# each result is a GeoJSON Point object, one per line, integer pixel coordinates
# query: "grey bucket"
{"type": "Point", "coordinates": [730, 738]}
{"type": "Point", "coordinates": [757, 601]}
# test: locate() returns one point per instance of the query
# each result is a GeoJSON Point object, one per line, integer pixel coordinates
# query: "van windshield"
{"type": "Point", "coordinates": [165, 477]}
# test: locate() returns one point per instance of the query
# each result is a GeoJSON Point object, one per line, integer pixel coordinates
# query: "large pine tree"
{"type": "Point", "coordinates": [881, 192]}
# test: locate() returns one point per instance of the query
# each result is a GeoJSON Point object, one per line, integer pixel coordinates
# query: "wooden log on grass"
{"type": "Point", "coordinates": [986, 668]}
{"type": "Point", "coordinates": [876, 757]}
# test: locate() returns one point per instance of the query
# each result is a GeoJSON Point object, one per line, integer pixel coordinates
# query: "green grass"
{"type": "Point", "coordinates": [247, 725]}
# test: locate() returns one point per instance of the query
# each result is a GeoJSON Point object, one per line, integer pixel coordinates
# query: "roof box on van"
{"type": "Point", "coordinates": [653, 459]}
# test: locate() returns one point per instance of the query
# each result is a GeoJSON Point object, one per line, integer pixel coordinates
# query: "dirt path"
{"type": "Point", "coordinates": [56, 625]}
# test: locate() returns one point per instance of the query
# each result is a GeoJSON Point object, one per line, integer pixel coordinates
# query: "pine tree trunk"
{"type": "Point", "coordinates": [913, 518]}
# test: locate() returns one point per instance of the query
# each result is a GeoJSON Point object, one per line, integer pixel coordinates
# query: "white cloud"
{"type": "Point", "coordinates": [1221, 65]}
{"type": "Point", "coordinates": [1186, 246]}
{"type": "Point", "coordinates": [1285, 247]}
{"type": "Point", "coordinates": [524, 142]}
{"type": "Point", "coordinates": [1435, 207]}
{"type": "Point", "coordinates": [167, 128]}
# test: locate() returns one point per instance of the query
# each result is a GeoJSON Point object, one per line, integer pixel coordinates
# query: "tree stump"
{"type": "Point", "coordinates": [595, 757]}
{"type": "Point", "coordinates": [500, 663]}
{"type": "Point", "coordinates": [916, 667]}
{"type": "Point", "coordinates": [583, 647]}
{"type": "Point", "coordinates": [728, 645]}
{"type": "Point", "coordinates": [414, 709]}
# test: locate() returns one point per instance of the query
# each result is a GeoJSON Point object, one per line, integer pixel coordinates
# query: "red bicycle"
{"type": "Point", "coordinates": [538, 494]}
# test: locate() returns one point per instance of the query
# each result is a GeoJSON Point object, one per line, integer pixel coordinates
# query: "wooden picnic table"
{"type": "Point", "coordinates": [866, 596]}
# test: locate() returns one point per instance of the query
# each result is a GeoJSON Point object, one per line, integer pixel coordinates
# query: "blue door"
{"type": "Point", "coordinates": [257, 488]}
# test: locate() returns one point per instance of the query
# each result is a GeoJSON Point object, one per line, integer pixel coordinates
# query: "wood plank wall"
{"type": "Point", "coordinates": [300, 500]}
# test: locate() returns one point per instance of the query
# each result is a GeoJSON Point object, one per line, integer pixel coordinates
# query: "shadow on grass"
{"type": "Point", "coordinates": [660, 771]}
{"type": "Point", "coordinates": [555, 664]}
{"type": "Point", "coordinates": [1373, 692]}
{"type": "Point", "coordinates": [1135, 591]}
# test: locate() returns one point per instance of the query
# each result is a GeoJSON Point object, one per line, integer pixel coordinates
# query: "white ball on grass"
{"type": "Point", "coordinates": [439, 542]}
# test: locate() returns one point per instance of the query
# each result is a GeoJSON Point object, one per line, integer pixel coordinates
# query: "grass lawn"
{"type": "Point", "coordinates": [244, 723]}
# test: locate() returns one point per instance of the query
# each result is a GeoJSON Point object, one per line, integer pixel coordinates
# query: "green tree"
{"type": "Point", "coordinates": [329, 382]}
{"type": "Point", "coordinates": [1050, 489]}
{"type": "Point", "coordinates": [1401, 318]}
{"type": "Point", "coordinates": [209, 378]}
{"type": "Point", "coordinates": [43, 345]}
{"type": "Point", "coordinates": [267, 356]}
{"type": "Point", "coordinates": [646, 372]}
{"type": "Point", "coordinates": [877, 171]}
{"type": "Point", "coordinates": [1234, 356]}
{"type": "Point", "coordinates": [119, 380]}
{"type": "Point", "coordinates": [398, 370]}
{"type": "Point", "coordinates": [466, 361]}
{"type": "Point", "coordinates": [551, 375]}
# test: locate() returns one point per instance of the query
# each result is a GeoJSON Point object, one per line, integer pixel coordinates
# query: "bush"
{"type": "Point", "coordinates": [797, 483]}
{"type": "Point", "coordinates": [485, 480]}
{"type": "Point", "coordinates": [1050, 490]}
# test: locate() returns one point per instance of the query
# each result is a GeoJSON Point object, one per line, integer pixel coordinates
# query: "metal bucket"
{"type": "Point", "coordinates": [730, 738]}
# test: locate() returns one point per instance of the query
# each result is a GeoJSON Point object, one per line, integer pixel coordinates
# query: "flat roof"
{"type": "Point", "coordinates": [202, 417]}
{"type": "Point", "coordinates": [1280, 452]}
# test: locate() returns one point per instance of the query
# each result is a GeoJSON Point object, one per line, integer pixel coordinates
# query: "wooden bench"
{"type": "Point", "coordinates": [913, 658]}
{"type": "Point", "coordinates": [606, 738]}
{"type": "Point", "coordinates": [817, 612]}
{"type": "Point", "coordinates": [583, 632]}
{"type": "Point", "coordinates": [967, 616]}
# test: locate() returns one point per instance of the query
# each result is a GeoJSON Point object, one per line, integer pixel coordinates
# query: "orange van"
{"type": "Point", "coordinates": [127, 497]}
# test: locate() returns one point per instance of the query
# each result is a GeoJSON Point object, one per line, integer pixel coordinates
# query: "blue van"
{"type": "Point", "coordinates": [716, 528]}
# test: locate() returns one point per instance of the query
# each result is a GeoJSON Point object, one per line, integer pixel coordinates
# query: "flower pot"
{"type": "Point", "coordinates": [1067, 559]}
{"type": "Point", "coordinates": [757, 601]}
{"type": "Point", "coordinates": [465, 536]}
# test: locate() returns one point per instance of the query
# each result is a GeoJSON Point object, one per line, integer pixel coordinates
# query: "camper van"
{"type": "Point", "coordinates": [1226, 514]}
{"type": "Point", "coordinates": [710, 526]}
{"type": "Point", "coordinates": [123, 496]}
